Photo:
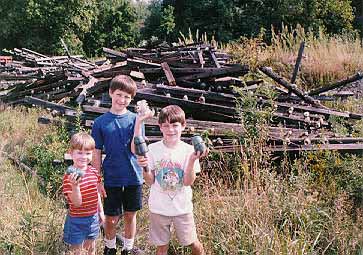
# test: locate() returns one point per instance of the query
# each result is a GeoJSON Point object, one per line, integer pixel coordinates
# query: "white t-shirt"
{"type": "Point", "coordinates": [168, 195]}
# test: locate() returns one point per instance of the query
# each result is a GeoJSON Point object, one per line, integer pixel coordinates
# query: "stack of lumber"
{"type": "Point", "coordinates": [196, 77]}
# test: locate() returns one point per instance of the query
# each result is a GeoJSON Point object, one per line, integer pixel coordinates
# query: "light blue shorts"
{"type": "Point", "coordinates": [78, 229]}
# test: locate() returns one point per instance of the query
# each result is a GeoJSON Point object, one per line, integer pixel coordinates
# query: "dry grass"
{"type": "Point", "coordinates": [326, 58]}
{"type": "Point", "coordinates": [259, 212]}
{"type": "Point", "coordinates": [31, 222]}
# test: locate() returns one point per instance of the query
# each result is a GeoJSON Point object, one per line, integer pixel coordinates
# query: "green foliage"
{"type": "Point", "coordinates": [153, 21]}
{"type": "Point", "coordinates": [114, 27]}
{"type": "Point", "coordinates": [40, 24]}
{"type": "Point", "coordinates": [340, 126]}
{"type": "Point", "coordinates": [85, 26]}
{"type": "Point", "coordinates": [254, 118]}
{"type": "Point", "coordinates": [31, 223]}
{"type": "Point", "coordinates": [40, 156]}
{"type": "Point", "coordinates": [167, 24]}
{"type": "Point", "coordinates": [228, 20]}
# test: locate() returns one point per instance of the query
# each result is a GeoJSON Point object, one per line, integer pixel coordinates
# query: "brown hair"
{"type": "Point", "coordinates": [82, 141]}
{"type": "Point", "coordinates": [172, 114]}
{"type": "Point", "coordinates": [123, 83]}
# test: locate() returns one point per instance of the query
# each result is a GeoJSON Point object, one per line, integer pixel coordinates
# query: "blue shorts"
{"type": "Point", "coordinates": [78, 229]}
{"type": "Point", "coordinates": [119, 199]}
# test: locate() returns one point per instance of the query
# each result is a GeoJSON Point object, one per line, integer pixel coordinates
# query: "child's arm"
{"type": "Point", "coordinates": [96, 163]}
{"type": "Point", "coordinates": [137, 132]}
{"type": "Point", "coordinates": [189, 172]}
{"type": "Point", "coordinates": [100, 210]}
{"type": "Point", "coordinates": [148, 175]}
{"type": "Point", "coordinates": [138, 126]}
{"type": "Point", "coordinates": [96, 160]}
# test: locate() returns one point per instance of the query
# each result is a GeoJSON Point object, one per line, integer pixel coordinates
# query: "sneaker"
{"type": "Point", "coordinates": [133, 251]}
{"type": "Point", "coordinates": [109, 251]}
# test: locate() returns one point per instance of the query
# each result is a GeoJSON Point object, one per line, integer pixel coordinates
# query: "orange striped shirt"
{"type": "Point", "coordinates": [89, 191]}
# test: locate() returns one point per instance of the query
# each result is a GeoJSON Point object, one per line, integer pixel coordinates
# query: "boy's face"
{"type": "Point", "coordinates": [120, 100]}
{"type": "Point", "coordinates": [171, 131]}
{"type": "Point", "coordinates": [81, 158]}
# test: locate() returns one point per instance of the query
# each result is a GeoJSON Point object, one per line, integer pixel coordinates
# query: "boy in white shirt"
{"type": "Point", "coordinates": [173, 166]}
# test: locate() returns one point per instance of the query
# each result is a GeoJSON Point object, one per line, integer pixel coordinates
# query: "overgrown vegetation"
{"type": "Point", "coordinates": [243, 204]}
{"type": "Point", "coordinates": [326, 58]}
{"type": "Point", "coordinates": [247, 202]}
{"type": "Point", "coordinates": [87, 26]}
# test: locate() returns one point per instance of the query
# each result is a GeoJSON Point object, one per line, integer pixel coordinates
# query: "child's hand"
{"type": "Point", "coordinates": [197, 155]}
{"type": "Point", "coordinates": [142, 161]}
{"type": "Point", "coordinates": [143, 110]}
{"type": "Point", "coordinates": [101, 190]}
{"type": "Point", "coordinates": [74, 179]}
{"type": "Point", "coordinates": [146, 115]}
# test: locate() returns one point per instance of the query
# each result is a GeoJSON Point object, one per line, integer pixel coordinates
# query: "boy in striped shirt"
{"type": "Point", "coordinates": [85, 213]}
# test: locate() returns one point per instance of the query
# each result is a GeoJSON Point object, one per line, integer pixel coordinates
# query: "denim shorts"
{"type": "Point", "coordinates": [78, 229]}
{"type": "Point", "coordinates": [120, 199]}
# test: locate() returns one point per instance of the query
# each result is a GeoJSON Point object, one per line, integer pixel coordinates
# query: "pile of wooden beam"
{"type": "Point", "coordinates": [196, 77]}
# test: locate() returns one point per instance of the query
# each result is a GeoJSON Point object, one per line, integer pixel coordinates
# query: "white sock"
{"type": "Point", "coordinates": [128, 244]}
{"type": "Point", "coordinates": [110, 243]}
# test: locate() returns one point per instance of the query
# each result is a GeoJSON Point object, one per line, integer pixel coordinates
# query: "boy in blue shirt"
{"type": "Point", "coordinates": [113, 133]}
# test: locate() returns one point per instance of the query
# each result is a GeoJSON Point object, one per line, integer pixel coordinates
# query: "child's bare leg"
{"type": "Point", "coordinates": [75, 249]}
{"type": "Point", "coordinates": [130, 224]}
{"type": "Point", "coordinates": [162, 250]}
{"type": "Point", "coordinates": [197, 248]}
{"type": "Point", "coordinates": [90, 246]}
{"type": "Point", "coordinates": [110, 226]}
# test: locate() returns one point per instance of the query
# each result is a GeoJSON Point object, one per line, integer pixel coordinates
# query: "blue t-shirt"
{"type": "Point", "coordinates": [113, 134]}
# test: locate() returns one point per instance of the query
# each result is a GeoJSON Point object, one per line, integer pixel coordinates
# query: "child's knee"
{"type": "Point", "coordinates": [130, 216]}
{"type": "Point", "coordinates": [111, 220]}
{"type": "Point", "coordinates": [197, 248]}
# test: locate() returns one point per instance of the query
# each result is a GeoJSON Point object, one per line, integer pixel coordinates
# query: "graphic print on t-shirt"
{"type": "Point", "coordinates": [169, 176]}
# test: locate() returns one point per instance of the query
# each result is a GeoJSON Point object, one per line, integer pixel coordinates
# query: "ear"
{"type": "Point", "coordinates": [183, 126]}
{"type": "Point", "coordinates": [109, 92]}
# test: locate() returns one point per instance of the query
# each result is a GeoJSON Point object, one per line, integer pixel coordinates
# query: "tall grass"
{"type": "Point", "coordinates": [326, 58]}
{"type": "Point", "coordinates": [30, 221]}
{"type": "Point", "coordinates": [244, 203]}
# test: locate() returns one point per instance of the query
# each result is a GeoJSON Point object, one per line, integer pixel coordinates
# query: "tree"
{"type": "Point", "coordinates": [153, 21]}
{"type": "Point", "coordinates": [115, 27]}
{"type": "Point", "coordinates": [167, 23]}
{"type": "Point", "coordinates": [40, 24]}
{"type": "Point", "coordinates": [230, 19]}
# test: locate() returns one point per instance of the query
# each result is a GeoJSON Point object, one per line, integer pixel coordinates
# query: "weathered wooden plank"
{"type": "Point", "coordinates": [352, 148]}
{"type": "Point", "coordinates": [338, 84]}
{"type": "Point", "coordinates": [294, 89]}
{"type": "Point", "coordinates": [222, 98]}
{"type": "Point", "coordinates": [46, 104]}
{"type": "Point", "coordinates": [295, 107]}
{"type": "Point", "coordinates": [169, 75]}
{"type": "Point", "coordinates": [235, 69]}
{"type": "Point", "coordinates": [201, 59]}
{"type": "Point", "coordinates": [114, 53]}
{"type": "Point", "coordinates": [141, 63]}
{"type": "Point", "coordinates": [298, 62]}
{"type": "Point", "coordinates": [150, 96]}
{"type": "Point", "coordinates": [214, 58]}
